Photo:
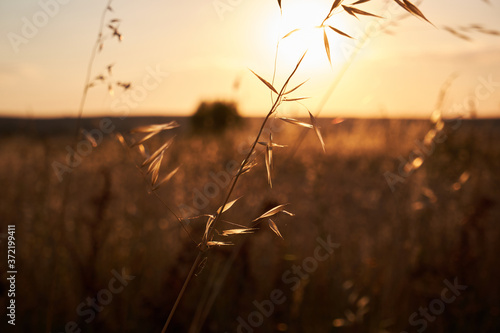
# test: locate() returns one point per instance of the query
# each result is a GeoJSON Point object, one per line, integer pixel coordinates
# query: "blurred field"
{"type": "Point", "coordinates": [396, 248]}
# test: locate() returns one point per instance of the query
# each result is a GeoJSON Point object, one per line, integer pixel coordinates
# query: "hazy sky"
{"type": "Point", "coordinates": [177, 53]}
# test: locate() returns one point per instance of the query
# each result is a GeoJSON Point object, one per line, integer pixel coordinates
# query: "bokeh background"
{"type": "Point", "coordinates": [407, 187]}
{"type": "Point", "coordinates": [395, 248]}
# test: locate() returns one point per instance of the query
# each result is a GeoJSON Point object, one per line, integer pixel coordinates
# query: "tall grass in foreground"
{"type": "Point", "coordinates": [108, 29]}
{"type": "Point", "coordinates": [217, 229]}
{"type": "Point", "coordinates": [396, 247]}
{"type": "Point", "coordinates": [214, 234]}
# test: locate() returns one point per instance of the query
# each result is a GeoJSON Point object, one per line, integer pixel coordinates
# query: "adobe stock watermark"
{"type": "Point", "coordinates": [223, 6]}
{"type": "Point", "coordinates": [371, 30]}
{"type": "Point", "coordinates": [89, 308]}
{"type": "Point", "coordinates": [220, 180]}
{"type": "Point", "coordinates": [74, 157]}
{"type": "Point", "coordinates": [437, 306]}
{"type": "Point", "coordinates": [132, 98]}
{"type": "Point", "coordinates": [201, 198]}
{"type": "Point", "coordinates": [293, 278]}
{"type": "Point", "coordinates": [123, 104]}
{"type": "Point", "coordinates": [31, 25]}
{"type": "Point", "coordinates": [425, 148]}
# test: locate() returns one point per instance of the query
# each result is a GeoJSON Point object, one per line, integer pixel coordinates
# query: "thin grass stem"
{"type": "Point", "coordinates": [181, 293]}
{"type": "Point", "coordinates": [89, 71]}
{"type": "Point", "coordinates": [203, 246]}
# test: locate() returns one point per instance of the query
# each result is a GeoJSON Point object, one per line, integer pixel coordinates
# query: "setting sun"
{"type": "Point", "coordinates": [205, 45]}
{"type": "Point", "coordinates": [299, 30]}
{"type": "Point", "coordinates": [329, 37]}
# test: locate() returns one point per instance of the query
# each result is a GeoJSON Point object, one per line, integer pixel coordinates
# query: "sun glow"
{"type": "Point", "coordinates": [304, 19]}
{"type": "Point", "coordinates": [297, 29]}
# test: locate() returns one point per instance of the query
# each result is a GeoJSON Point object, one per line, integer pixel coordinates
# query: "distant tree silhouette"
{"type": "Point", "coordinates": [215, 117]}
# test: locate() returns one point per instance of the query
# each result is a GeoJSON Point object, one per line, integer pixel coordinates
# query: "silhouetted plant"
{"type": "Point", "coordinates": [215, 117]}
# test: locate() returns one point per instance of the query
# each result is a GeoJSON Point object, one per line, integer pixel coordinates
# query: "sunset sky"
{"type": "Point", "coordinates": [178, 53]}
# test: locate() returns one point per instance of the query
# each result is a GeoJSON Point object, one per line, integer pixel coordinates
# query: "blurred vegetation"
{"type": "Point", "coordinates": [396, 248]}
{"type": "Point", "coordinates": [215, 117]}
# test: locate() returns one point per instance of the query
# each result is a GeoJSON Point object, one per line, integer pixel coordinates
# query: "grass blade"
{"type": "Point", "coordinates": [327, 46]}
{"type": "Point", "coordinates": [144, 139]}
{"type": "Point", "coordinates": [153, 164]}
{"type": "Point", "coordinates": [291, 32]}
{"type": "Point", "coordinates": [143, 151]}
{"type": "Point", "coordinates": [336, 3]}
{"type": "Point", "coordinates": [316, 129]}
{"type": "Point", "coordinates": [122, 140]}
{"type": "Point", "coordinates": [457, 34]}
{"type": "Point", "coordinates": [90, 138]}
{"type": "Point", "coordinates": [296, 122]}
{"type": "Point", "coordinates": [238, 231]}
{"type": "Point", "coordinates": [262, 143]}
{"type": "Point", "coordinates": [298, 64]}
{"type": "Point", "coordinates": [274, 227]}
{"type": "Point", "coordinates": [270, 86]}
{"type": "Point", "coordinates": [217, 243]}
{"type": "Point", "coordinates": [414, 10]}
{"type": "Point", "coordinates": [268, 168]}
{"type": "Point", "coordinates": [158, 152]}
{"type": "Point", "coordinates": [271, 150]}
{"type": "Point", "coordinates": [297, 87]}
{"type": "Point", "coordinates": [155, 169]}
{"type": "Point", "coordinates": [269, 160]}
{"type": "Point", "coordinates": [271, 212]}
{"type": "Point", "coordinates": [339, 32]}
{"type": "Point", "coordinates": [294, 99]}
{"type": "Point", "coordinates": [353, 11]}
{"type": "Point", "coordinates": [248, 167]}
{"type": "Point", "coordinates": [155, 127]}
{"type": "Point", "coordinates": [227, 206]}
{"type": "Point", "coordinates": [166, 178]}
{"type": "Point", "coordinates": [210, 220]}
{"type": "Point", "coordinates": [399, 2]}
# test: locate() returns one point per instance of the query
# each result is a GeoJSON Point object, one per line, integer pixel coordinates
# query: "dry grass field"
{"type": "Point", "coordinates": [218, 223]}
{"type": "Point", "coordinates": [356, 257]}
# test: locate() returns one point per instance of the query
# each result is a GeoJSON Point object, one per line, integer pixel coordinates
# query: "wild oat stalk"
{"type": "Point", "coordinates": [244, 167]}
{"type": "Point", "coordinates": [88, 83]}
{"type": "Point", "coordinates": [112, 24]}
{"type": "Point", "coordinates": [151, 165]}
{"type": "Point", "coordinates": [153, 162]}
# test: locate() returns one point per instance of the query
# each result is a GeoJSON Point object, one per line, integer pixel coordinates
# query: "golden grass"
{"type": "Point", "coordinates": [393, 251]}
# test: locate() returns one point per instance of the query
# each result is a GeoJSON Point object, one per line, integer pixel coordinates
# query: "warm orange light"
{"type": "Point", "coordinates": [299, 29]}
{"type": "Point", "coordinates": [301, 21]}
{"type": "Point", "coordinates": [305, 16]}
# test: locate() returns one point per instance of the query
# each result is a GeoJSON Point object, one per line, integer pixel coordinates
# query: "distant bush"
{"type": "Point", "coordinates": [215, 117]}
